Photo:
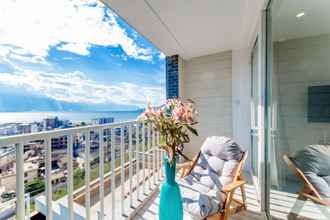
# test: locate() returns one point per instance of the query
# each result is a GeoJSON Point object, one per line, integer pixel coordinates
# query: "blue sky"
{"type": "Point", "coordinates": [76, 51]}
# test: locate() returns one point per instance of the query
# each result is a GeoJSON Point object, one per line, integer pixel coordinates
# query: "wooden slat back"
{"type": "Point", "coordinates": [240, 166]}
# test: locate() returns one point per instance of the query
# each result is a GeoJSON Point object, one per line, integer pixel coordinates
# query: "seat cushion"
{"type": "Point", "coordinates": [193, 183]}
{"type": "Point", "coordinates": [320, 184]}
{"type": "Point", "coordinates": [327, 180]}
{"type": "Point", "coordinates": [198, 200]}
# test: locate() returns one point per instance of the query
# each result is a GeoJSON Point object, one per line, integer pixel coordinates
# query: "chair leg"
{"type": "Point", "coordinates": [226, 211]}
{"type": "Point", "coordinates": [217, 216]}
{"type": "Point", "coordinates": [243, 196]}
{"type": "Point", "coordinates": [298, 205]}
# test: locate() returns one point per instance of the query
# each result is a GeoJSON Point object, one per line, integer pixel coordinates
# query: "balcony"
{"type": "Point", "coordinates": [128, 189]}
{"type": "Point", "coordinates": [229, 57]}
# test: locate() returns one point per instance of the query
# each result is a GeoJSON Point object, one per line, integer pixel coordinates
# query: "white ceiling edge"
{"type": "Point", "coordinates": [119, 7]}
{"type": "Point", "coordinates": [147, 21]}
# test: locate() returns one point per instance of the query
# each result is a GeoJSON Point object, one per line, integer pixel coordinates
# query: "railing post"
{"type": "Point", "coordinates": [162, 170]}
{"type": "Point", "coordinates": [149, 156]}
{"type": "Point", "coordinates": [159, 156]}
{"type": "Point", "coordinates": [122, 171]}
{"type": "Point", "coordinates": [87, 174]}
{"type": "Point", "coordinates": [70, 176]}
{"type": "Point", "coordinates": [154, 153]}
{"type": "Point", "coordinates": [101, 174]}
{"type": "Point", "coordinates": [48, 166]}
{"type": "Point", "coordinates": [20, 204]}
{"type": "Point", "coordinates": [137, 157]}
{"type": "Point", "coordinates": [113, 164]}
{"type": "Point", "coordinates": [27, 202]}
{"type": "Point", "coordinates": [130, 164]}
{"type": "Point", "coordinates": [143, 159]}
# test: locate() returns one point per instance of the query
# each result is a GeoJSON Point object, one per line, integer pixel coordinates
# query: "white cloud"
{"type": "Point", "coordinates": [161, 56]}
{"type": "Point", "coordinates": [36, 26]}
{"type": "Point", "coordinates": [75, 48]}
{"type": "Point", "coordinates": [76, 87]}
{"type": "Point", "coordinates": [28, 59]}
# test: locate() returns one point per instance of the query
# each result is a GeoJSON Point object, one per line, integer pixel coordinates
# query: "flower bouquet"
{"type": "Point", "coordinates": [174, 121]}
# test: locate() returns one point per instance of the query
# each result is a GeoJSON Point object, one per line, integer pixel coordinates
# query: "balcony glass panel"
{"type": "Point", "coordinates": [299, 132]}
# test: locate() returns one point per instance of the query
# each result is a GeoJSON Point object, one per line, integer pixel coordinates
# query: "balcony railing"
{"type": "Point", "coordinates": [134, 157]}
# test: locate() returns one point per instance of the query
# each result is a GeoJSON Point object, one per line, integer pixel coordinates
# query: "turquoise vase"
{"type": "Point", "coordinates": [170, 204]}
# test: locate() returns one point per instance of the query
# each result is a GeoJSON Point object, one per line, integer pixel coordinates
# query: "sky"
{"type": "Point", "coordinates": [74, 53]}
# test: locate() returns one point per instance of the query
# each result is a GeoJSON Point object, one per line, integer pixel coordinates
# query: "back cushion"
{"type": "Point", "coordinates": [211, 163]}
{"type": "Point", "coordinates": [314, 162]}
{"type": "Point", "coordinates": [314, 159]}
{"type": "Point", "coordinates": [220, 155]}
{"type": "Point", "coordinates": [229, 168]}
{"type": "Point", "coordinates": [222, 147]}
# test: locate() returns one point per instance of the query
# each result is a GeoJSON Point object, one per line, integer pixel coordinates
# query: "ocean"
{"type": "Point", "coordinates": [27, 117]}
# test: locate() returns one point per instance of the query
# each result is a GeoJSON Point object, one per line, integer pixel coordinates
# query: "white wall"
{"type": "Point", "coordinates": [241, 95]}
{"type": "Point", "coordinates": [208, 81]}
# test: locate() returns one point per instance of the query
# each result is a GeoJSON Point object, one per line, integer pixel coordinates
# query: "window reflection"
{"type": "Point", "coordinates": [300, 109]}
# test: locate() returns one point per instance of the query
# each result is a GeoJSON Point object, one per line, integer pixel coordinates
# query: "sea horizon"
{"type": "Point", "coordinates": [73, 116]}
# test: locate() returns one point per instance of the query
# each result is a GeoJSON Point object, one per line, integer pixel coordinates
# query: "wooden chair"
{"type": "Point", "coordinates": [231, 204]}
{"type": "Point", "coordinates": [308, 191]}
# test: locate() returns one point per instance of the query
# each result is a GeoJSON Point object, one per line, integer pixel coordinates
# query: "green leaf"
{"type": "Point", "coordinates": [192, 130]}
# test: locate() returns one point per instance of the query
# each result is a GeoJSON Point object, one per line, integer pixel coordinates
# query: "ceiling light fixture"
{"type": "Point", "coordinates": [299, 15]}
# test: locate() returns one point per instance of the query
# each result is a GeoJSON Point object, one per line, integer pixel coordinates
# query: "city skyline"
{"type": "Point", "coordinates": [74, 55]}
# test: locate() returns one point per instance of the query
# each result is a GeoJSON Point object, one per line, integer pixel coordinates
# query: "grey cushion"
{"type": "Point", "coordinates": [320, 184]}
{"type": "Point", "coordinates": [222, 147]}
{"type": "Point", "coordinates": [327, 179]}
{"type": "Point", "coordinates": [314, 162]}
{"type": "Point", "coordinates": [198, 200]}
{"type": "Point", "coordinates": [229, 168]}
{"type": "Point", "coordinates": [315, 159]}
{"type": "Point", "coordinates": [201, 190]}
{"type": "Point", "coordinates": [212, 163]}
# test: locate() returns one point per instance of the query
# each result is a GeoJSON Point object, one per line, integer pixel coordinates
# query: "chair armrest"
{"type": "Point", "coordinates": [234, 185]}
{"type": "Point", "coordinates": [317, 200]}
{"type": "Point", "coordinates": [184, 167]}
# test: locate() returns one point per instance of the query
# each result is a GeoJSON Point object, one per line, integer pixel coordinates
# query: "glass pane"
{"type": "Point", "coordinates": [255, 103]}
{"type": "Point", "coordinates": [299, 142]}
{"type": "Point", "coordinates": [255, 86]}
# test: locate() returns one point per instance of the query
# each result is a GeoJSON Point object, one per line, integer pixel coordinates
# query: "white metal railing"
{"type": "Point", "coordinates": [138, 152]}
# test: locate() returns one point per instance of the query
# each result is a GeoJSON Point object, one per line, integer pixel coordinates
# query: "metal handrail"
{"type": "Point", "coordinates": [5, 140]}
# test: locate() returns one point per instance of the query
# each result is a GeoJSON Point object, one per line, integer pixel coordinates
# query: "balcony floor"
{"type": "Point", "coordinates": [150, 210]}
{"type": "Point", "coordinates": [281, 204]}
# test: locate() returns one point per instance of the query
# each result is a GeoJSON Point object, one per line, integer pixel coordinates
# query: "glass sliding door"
{"type": "Point", "coordinates": [255, 103]}
{"type": "Point", "coordinates": [298, 138]}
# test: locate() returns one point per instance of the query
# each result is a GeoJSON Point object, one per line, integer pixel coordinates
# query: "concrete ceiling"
{"type": "Point", "coordinates": [191, 28]}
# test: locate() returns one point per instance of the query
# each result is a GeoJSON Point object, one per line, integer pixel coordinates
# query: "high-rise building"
{"type": "Point", "coordinates": [172, 77]}
{"type": "Point", "coordinates": [59, 143]}
{"type": "Point", "coordinates": [23, 128]}
{"type": "Point", "coordinates": [104, 120]}
{"type": "Point", "coordinates": [51, 123]}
